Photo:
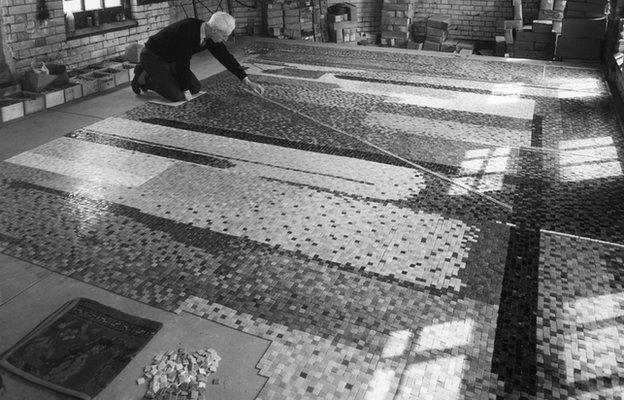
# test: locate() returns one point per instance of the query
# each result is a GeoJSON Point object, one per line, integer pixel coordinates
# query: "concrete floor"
{"type": "Point", "coordinates": [29, 293]}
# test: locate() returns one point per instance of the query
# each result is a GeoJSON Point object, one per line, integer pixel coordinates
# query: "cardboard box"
{"type": "Point", "coordinates": [542, 26]}
{"type": "Point", "coordinates": [439, 21]}
{"type": "Point", "coordinates": [54, 98]}
{"type": "Point", "coordinates": [573, 5]}
{"type": "Point", "coordinates": [578, 48]}
{"type": "Point", "coordinates": [33, 102]}
{"type": "Point", "coordinates": [431, 46]}
{"type": "Point", "coordinates": [584, 28]}
{"type": "Point", "coordinates": [72, 91]}
{"type": "Point", "coordinates": [11, 111]}
{"type": "Point", "coordinates": [33, 82]}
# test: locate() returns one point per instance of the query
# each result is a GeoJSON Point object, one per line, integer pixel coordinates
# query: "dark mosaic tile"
{"type": "Point", "coordinates": [305, 133]}
{"type": "Point", "coordinates": [162, 262]}
{"type": "Point", "coordinates": [149, 148]}
{"type": "Point", "coordinates": [579, 350]}
{"type": "Point", "coordinates": [298, 73]}
{"type": "Point", "coordinates": [565, 178]}
{"type": "Point", "coordinates": [419, 63]}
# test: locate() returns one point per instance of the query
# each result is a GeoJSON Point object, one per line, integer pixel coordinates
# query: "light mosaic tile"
{"type": "Point", "coordinates": [372, 281]}
{"type": "Point", "coordinates": [466, 132]}
{"type": "Point", "coordinates": [580, 330]}
{"type": "Point", "coordinates": [93, 162]}
{"type": "Point", "coordinates": [359, 177]}
{"type": "Point", "coordinates": [300, 365]}
{"type": "Point", "coordinates": [505, 106]}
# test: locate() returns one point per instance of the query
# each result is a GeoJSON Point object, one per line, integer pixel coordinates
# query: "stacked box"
{"type": "Point", "coordinates": [343, 32]}
{"type": "Point", "coordinates": [542, 26]}
{"type": "Point", "coordinates": [437, 31]}
{"type": "Point", "coordinates": [419, 26]}
{"type": "Point", "coordinates": [584, 27]}
{"type": "Point", "coordinates": [587, 32]}
{"type": "Point", "coordinates": [343, 27]}
{"type": "Point", "coordinates": [585, 8]}
{"type": "Point", "coordinates": [578, 48]}
{"type": "Point", "coordinates": [306, 19]}
{"type": "Point", "coordinates": [292, 24]}
{"type": "Point", "coordinates": [552, 10]}
{"type": "Point", "coordinates": [273, 18]}
{"type": "Point", "coordinates": [535, 45]}
{"type": "Point", "coordinates": [396, 19]}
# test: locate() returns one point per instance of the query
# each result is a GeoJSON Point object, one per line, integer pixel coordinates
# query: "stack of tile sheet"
{"type": "Point", "coordinates": [585, 8]}
{"type": "Point", "coordinates": [343, 26]}
{"type": "Point", "coordinates": [507, 29]}
{"type": "Point", "coordinates": [319, 26]}
{"type": "Point", "coordinates": [273, 18]}
{"type": "Point", "coordinates": [419, 27]}
{"type": "Point", "coordinates": [552, 10]}
{"type": "Point", "coordinates": [500, 47]}
{"type": "Point", "coordinates": [396, 19]}
{"type": "Point", "coordinates": [298, 21]}
{"type": "Point", "coordinates": [536, 42]}
{"type": "Point", "coordinates": [465, 47]}
{"type": "Point", "coordinates": [437, 31]}
{"type": "Point", "coordinates": [581, 38]}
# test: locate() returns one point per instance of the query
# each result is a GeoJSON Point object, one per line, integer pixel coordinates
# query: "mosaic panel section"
{"type": "Point", "coordinates": [431, 360]}
{"type": "Point", "coordinates": [268, 204]}
{"type": "Point", "coordinates": [335, 330]}
{"type": "Point", "coordinates": [373, 278]}
{"type": "Point", "coordinates": [580, 329]}
{"type": "Point", "coordinates": [483, 69]}
{"type": "Point", "coordinates": [412, 115]}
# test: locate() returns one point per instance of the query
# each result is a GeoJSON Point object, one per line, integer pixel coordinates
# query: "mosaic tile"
{"type": "Point", "coordinates": [398, 224]}
{"type": "Point", "coordinates": [93, 162]}
{"type": "Point", "coordinates": [579, 319]}
{"type": "Point", "coordinates": [486, 70]}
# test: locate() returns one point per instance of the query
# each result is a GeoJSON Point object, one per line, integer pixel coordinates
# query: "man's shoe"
{"type": "Point", "coordinates": [137, 70]}
{"type": "Point", "coordinates": [136, 88]}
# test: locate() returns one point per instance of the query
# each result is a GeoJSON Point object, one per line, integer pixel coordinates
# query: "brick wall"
{"type": "Point", "coordinates": [26, 39]}
{"type": "Point", "coordinates": [368, 14]}
{"type": "Point", "coordinates": [530, 11]}
{"type": "Point", "coordinates": [2, 46]}
{"type": "Point", "coordinates": [246, 16]}
{"type": "Point", "coordinates": [472, 19]}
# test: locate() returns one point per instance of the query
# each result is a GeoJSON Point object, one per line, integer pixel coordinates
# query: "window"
{"type": "Point", "coordinates": [94, 15]}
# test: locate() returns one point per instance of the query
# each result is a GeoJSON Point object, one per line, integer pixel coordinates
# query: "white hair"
{"type": "Point", "coordinates": [223, 22]}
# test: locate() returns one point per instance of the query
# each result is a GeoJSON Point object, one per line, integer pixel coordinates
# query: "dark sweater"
{"type": "Point", "coordinates": [180, 40]}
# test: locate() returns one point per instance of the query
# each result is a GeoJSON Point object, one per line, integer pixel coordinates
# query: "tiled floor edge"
{"type": "Point", "coordinates": [376, 48]}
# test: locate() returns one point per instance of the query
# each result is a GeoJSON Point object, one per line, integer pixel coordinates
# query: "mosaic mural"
{"type": "Point", "coordinates": [399, 226]}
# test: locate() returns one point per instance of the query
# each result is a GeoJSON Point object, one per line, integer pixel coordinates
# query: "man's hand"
{"type": "Point", "coordinates": [187, 95]}
{"type": "Point", "coordinates": [253, 86]}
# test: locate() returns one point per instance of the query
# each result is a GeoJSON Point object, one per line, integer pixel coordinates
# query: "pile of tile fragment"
{"type": "Point", "coordinates": [179, 374]}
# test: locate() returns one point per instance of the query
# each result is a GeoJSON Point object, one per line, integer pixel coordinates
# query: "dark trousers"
{"type": "Point", "coordinates": [161, 77]}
